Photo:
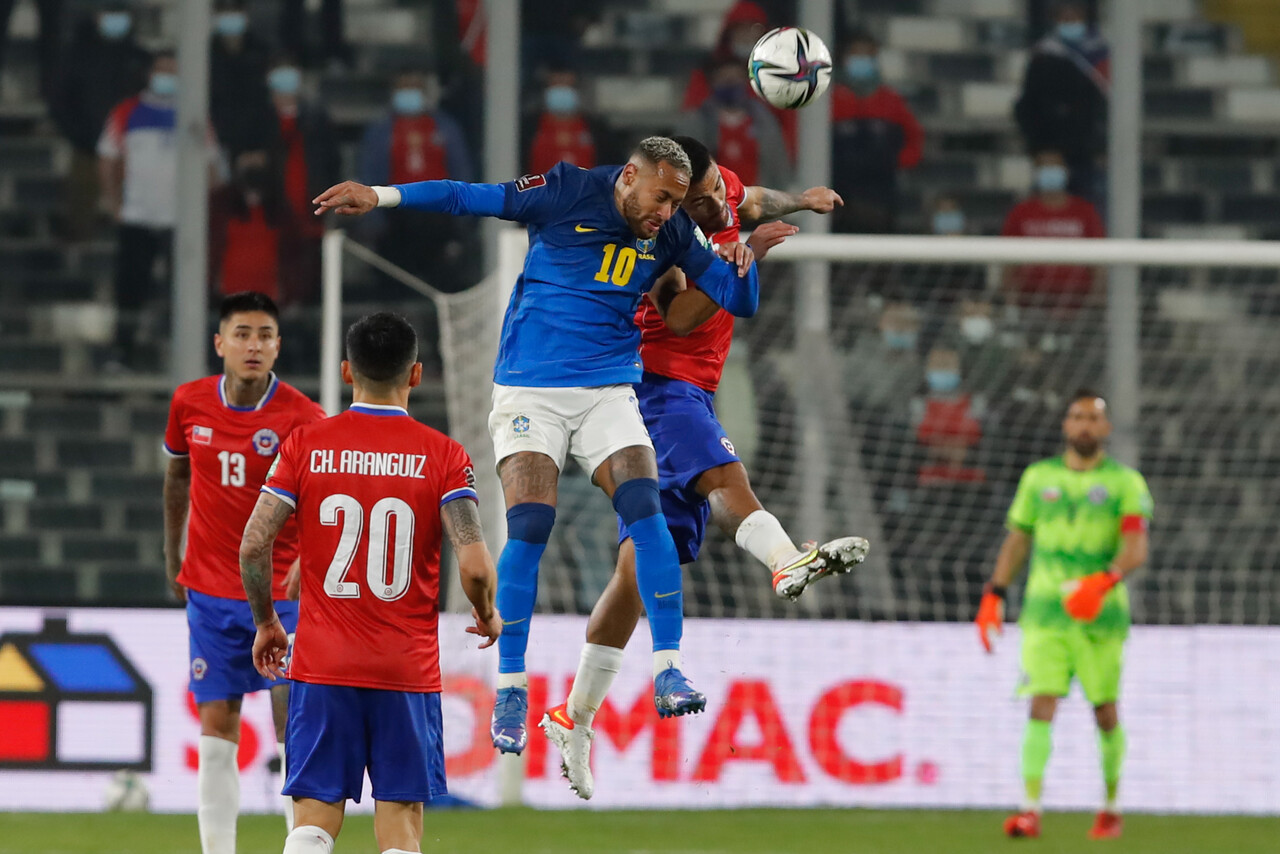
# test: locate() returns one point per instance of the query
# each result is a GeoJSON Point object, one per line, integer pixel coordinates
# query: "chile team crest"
{"type": "Point", "coordinates": [266, 442]}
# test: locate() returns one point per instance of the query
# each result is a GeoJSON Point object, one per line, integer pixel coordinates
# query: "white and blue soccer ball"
{"type": "Point", "coordinates": [789, 67]}
{"type": "Point", "coordinates": [126, 793]}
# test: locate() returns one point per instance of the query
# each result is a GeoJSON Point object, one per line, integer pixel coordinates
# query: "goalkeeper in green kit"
{"type": "Point", "coordinates": [1082, 517]}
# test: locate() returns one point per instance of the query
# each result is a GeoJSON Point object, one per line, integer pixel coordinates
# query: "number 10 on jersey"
{"type": "Point", "coordinates": [622, 269]}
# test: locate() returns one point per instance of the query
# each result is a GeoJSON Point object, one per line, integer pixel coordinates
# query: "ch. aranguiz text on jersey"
{"type": "Point", "coordinates": [570, 322]}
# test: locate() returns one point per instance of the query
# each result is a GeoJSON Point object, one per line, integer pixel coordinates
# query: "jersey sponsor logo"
{"type": "Point", "coordinates": [266, 442]}
{"type": "Point", "coordinates": [520, 425]}
{"type": "Point", "coordinates": [582, 229]}
{"type": "Point", "coordinates": [529, 182]}
{"type": "Point", "coordinates": [1050, 494]}
{"type": "Point", "coordinates": [202, 435]}
{"type": "Point", "coordinates": [199, 667]}
{"type": "Point", "coordinates": [1099, 495]}
{"type": "Point", "coordinates": [728, 446]}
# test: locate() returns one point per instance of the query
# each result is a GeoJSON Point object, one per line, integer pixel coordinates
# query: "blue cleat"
{"type": "Point", "coordinates": [674, 696]}
{"type": "Point", "coordinates": [507, 728]}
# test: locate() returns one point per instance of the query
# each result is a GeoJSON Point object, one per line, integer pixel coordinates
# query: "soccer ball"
{"type": "Point", "coordinates": [126, 793]}
{"type": "Point", "coordinates": [789, 67]}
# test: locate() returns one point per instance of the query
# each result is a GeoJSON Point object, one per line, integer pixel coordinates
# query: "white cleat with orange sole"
{"type": "Point", "coordinates": [831, 558]}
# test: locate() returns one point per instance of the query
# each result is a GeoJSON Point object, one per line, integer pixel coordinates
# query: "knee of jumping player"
{"type": "Point", "coordinates": [636, 500]}
{"type": "Point", "coordinates": [531, 523]}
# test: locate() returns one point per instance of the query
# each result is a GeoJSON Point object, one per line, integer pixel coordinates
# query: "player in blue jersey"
{"type": "Point", "coordinates": [598, 240]}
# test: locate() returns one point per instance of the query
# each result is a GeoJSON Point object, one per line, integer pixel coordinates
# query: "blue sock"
{"type": "Point", "coordinates": [528, 529]}
{"type": "Point", "coordinates": [657, 564]}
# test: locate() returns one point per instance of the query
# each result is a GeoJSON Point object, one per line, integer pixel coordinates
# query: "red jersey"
{"type": "Point", "coordinates": [367, 487]}
{"type": "Point", "coordinates": [698, 357]}
{"type": "Point", "coordinates": [559, 138]}
{"type": "Point", "coordinates": [885, 105]}
{"type": "Point", "coordinates": [231, 449]}
{"type": "Point", "coordinates": [1063, 286]}
{"type": "Point", "coordinates": [417, 150]}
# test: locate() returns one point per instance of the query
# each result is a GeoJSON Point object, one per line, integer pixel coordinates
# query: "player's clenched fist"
{"type": "Point", "coordinates": [347, 198]}
{"type": "Point", "coordinates": [990, 619]}
{"type": "Point", "coordinates": [1084, 599]}
{"type": "Point", "coordinates": [821, 200]}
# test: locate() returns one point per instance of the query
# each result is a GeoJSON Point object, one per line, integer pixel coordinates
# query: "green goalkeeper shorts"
{"type": "Point", "coordinates": [1052, 657]}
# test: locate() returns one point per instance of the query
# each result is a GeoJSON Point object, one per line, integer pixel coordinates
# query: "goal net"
{"type": "Point", "coordinates": [896, 387]}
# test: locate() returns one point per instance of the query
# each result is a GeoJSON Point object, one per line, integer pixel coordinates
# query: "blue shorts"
{"type": "Point", "coordinates": [335, 732]}
{"type": "Point", "coordinates": [221, 643]}
{"type": "Point", "coordinates": [688, 440]}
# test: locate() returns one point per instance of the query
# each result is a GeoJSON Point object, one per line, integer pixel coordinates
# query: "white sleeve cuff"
{"type": "Point", "coordinates": [388, 197]}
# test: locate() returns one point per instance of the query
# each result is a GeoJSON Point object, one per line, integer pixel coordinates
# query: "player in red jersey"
{"type": "Point", "coordinates": [372, 490]}
{"type": "Point", "coordinates": [684, 341]}
{"type": "Point", "coordinates": [222, 435]}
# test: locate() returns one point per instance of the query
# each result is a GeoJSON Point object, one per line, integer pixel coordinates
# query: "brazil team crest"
{"type": "Point", "coordinates": [520, 425]}
{"type": "Point", "coordinates": [645, 247]}
{"type": "Point", "coordinates": [266, 442]}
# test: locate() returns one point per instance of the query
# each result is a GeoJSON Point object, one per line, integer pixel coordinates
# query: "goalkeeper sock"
{"type": "Point", "coordinates": [762, 535]}
{"type": "Point", "coordinates": [288, 799]}
{"type": "Point", "coordinates": [528, 529]}
{"type": "Point", "coordinates": [597, 668]}
{"type": "Point", "coordinates": [1112, 747]}
{"type": "Point", "coordinates": [658, 575]}
{"type": "Point", "coordinates": [308, 839]}
{"type": "Point", "coordinates": [218, 785]}
{"type": "Point", "coordinates": [1037, 744]}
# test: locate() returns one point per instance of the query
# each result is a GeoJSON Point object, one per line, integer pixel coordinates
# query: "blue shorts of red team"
{"type": "Point", "coordinates": [337, 732]}
{"type": "Point", "coordinates": [221, 643]}
{"type": "Point", "coordinates": [689, 440]}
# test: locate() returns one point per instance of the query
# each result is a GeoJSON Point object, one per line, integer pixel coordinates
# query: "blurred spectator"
{"type": "Point", "coordinates": [307, 162]}
{"type": "Point", "coordinates": [239, 104]}
{"type": "Point", "coordinates": [551, 31]}
{"type": "Point", "coordinates": [884, 369]}
{"type": "Point", "coordinates": [947, 428]}
{"type": "Point", "coordinates": [1052, 212]}
{"type": "Point", "coordinates": [739, 129]}
{"type": "Point", "coordinates": [952, 281]}
{"type": "Point", "coordinates": [874, 135]}
{"type": "Point", "coordinates": [1063, 104]}
{"type": "Point", "coordinates": [948, 218]}
{"type": "Point", "coordinates": [562, 130]}
{"type": "Point", "coordinates": [292, 30]}
{"type": "Point", "coordinates": [744, 23]}
{"type": "Point", "coordinates": [49, 43]}
{"type": "Point", "coordinates": [137, 167]}
{"type": "Point", "coordinates": [984, 357]}
{"type": "Point", "coordinates": [103, 66]}
{"type": "Point", "coordinates": [254, 213]}
{"type": "Point", "coordinates": [417, 141]}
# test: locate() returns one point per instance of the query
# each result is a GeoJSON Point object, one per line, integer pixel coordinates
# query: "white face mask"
{"type": "Point", "coordinates": [977, 328]}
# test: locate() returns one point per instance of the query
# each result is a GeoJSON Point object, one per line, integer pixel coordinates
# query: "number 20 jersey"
{"type": "Point", "coordinates": [230, 448]}
{"type": "Point", "coordinates": [367, 487]}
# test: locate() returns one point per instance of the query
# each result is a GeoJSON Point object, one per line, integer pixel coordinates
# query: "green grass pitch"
{"type": "Point", "coordinates": [680, 832]}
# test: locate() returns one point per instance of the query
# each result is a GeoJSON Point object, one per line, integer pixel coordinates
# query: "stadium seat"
{"type": "Point", "coordinates": [20, 547]}
{"type": "Point", "coordinates": [923, 33]}
{"type": "Point", "coordinates": [62, 417]}
{"type": "Point", "coordinates": [1252, 105]}
{"type": "Point", "coordinates": [64, 515]}
{"type": "Point", "coordinates": [987, 100]}
{"type": "Point", "coordinates": [93, 549]}
{"type": "Point", "coordinates": [98, 453]}
{"type": "Point", "coordinates": [128, 585]}
{"type": "Point", "coordinates": [38, 585]}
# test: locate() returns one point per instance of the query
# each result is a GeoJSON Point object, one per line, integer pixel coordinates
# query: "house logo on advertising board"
{"type": "Point", "coordinates": [59, 692]}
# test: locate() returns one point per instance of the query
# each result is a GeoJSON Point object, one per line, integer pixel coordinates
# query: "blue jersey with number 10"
{"type": "Point", "coordinates": [570, 320]}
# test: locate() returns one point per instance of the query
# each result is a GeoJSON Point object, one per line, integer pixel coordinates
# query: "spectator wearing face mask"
{"type": "Point", "coordinates": [744, 23]}
{"type": "Point", "coordinates": [102, 66]}
{"type": "Point", "coordinates": [563, 131]}
{"type": "Point", "coordinates": [307, 161]}
{"type": "Point", "coordinates": [984, 357]}
{"type": "Point", "coordinates": [239, 103]}
{"type": "Point", "coordinates": [254, 216]}
{"type": "Point", "coordinates": [874, 135]}
{"type": "Point", "coordinates": [952, 281]}
{"type": "Point", "coordinates": [137, 168]}
{"type": "Point", "coordinates": [417, 141]}
{"type": "Point", "coordinates": [292, 27]}
{"type": "Point", "coordinates": [739, 129]}
{"type": "Point", "coordinates": [1052, 211]}
{"type": "Point", "coordinates": [884, 365]}
{"type": "Point", "coordinates": [1063, 104]}
{"type": "Point", "coordinates": [948, 426]}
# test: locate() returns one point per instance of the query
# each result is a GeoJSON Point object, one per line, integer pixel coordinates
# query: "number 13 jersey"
{"type": "Point", "coordinates": [367, 487]}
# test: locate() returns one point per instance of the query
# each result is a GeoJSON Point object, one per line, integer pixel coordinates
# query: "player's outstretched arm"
{"type": "Point", "coordinates": [177, 503]}
{"type": "Point", "coordinates": [271, 643]}
{"type": "Point", "coordinates": [1013, 554]}
{"type": "Point", "coordinates": [461, 519]}
{"type": "Point", "coordinates": [763, 204]}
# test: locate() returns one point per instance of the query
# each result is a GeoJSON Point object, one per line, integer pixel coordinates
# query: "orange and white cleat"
{"type": "Point", "coordinates": [1108, 825]}
{"type": "Point", "coordinates": [574, 743]}
{"type": "Point", "coordinates": [1023, 825]}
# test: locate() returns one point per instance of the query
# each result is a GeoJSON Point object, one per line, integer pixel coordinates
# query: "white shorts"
{"type": "Point", "coordinates": [590, 423]}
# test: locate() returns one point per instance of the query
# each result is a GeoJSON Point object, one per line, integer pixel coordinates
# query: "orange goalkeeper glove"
{"type": "Point", "coordinates": [990, 614]}
{"type": "Point", "coordinates": [1084, 599]}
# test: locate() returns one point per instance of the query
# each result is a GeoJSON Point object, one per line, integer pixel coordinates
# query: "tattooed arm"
{"type": "Point", "coordinates": [461, 518]}
{"type": "Point", "coordinates": [271, 643]}
{"type": "Point", "coordinates": [763, 204]}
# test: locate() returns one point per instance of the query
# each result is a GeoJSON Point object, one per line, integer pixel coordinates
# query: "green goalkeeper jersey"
{"type": "Point", "coordinates": [1075, 519]}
